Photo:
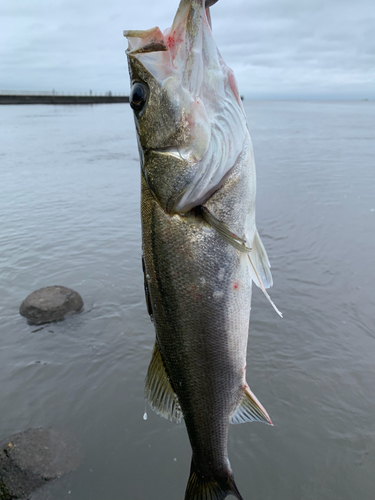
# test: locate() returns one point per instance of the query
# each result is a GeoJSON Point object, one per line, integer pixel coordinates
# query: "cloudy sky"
{"type": "Point", "coordinates": [277, 48]}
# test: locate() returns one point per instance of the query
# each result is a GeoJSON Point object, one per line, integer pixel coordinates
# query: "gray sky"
{"type": "Point", "coordinates": [277, 48]}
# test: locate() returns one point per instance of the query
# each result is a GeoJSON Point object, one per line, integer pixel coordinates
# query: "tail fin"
{"type": "Point", "coordinates": [201, 487]}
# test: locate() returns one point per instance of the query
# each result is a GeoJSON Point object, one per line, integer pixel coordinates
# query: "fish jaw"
{"type": "Point", "coordinates": [193, 112]}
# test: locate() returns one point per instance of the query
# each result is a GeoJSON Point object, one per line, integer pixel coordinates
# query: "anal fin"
{"type": "Point", "coordinates": [158, 390]}
{"type": "Point", "coordinates": [250, 410]}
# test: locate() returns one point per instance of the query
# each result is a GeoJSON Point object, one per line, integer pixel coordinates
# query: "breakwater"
{"type": "Point", "coordinates": [61, 99]}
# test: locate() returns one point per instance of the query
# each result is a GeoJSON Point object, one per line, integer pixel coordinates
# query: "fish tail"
{"type": "Point", "coordinates": [205, 487]}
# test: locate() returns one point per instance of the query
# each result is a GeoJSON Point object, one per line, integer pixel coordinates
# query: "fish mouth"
{"type": "Point", "coordinates": [207, 111]}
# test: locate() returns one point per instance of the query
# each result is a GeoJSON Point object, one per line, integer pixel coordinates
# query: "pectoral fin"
{"type": "Point", "coordinates": [260, 265]}
{"type": "Point", "coordinates": [260, 261]}
{"type": "Point", "coordinates": [224, 231]}
{"type": "Point", "coordinates": [158, 389]}
{"type": "Point", "coordinates": [260, 268]}
{"type": "Point", "coordinates": [250, 410]}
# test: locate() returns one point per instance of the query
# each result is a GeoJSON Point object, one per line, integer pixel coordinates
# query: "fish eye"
{"type": "Point", "coordinates": [138, 96]}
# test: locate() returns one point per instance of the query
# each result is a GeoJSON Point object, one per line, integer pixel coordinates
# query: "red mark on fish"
{"type": "Point", "coordinates": [173, 39]}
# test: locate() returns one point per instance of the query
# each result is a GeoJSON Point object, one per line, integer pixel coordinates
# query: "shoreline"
{"type": "Point", "coordinates": [61, 99]}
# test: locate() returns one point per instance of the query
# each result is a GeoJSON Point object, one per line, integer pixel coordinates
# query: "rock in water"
{"type": "Point", "coordinates": [51, 303]}
{"type": "Point", "coordinates": [31, 459]}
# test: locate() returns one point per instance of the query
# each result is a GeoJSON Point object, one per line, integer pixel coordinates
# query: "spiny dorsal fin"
{"type": "Point", "coordinates": [158, 390]}
{"type": "Point", "coordinates": [250, 410]}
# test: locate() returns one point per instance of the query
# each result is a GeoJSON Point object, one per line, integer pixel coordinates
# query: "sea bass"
{"type": "Point", "coordinates": [201, 248]}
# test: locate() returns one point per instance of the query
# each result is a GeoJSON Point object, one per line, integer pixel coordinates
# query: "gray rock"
{"type": "Point", "coordinates": [31, 459]}
{"type": "Point", "coordinates": [51, 303]}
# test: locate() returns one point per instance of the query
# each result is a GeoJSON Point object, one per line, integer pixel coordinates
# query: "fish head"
{"type": "Point", "coordinates": [159, 102]}
{"type": "Point", "coordinates": [188, 113]}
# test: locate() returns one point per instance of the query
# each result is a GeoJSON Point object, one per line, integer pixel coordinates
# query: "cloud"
{"type": "Point", "coordinates": [278, 48]}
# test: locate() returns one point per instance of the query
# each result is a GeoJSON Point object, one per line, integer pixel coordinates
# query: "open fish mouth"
{"type": "Point", "coordinates": [186, 64]}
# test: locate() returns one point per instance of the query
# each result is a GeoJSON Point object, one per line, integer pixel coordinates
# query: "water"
{"type": "Point", "coordinates": [69, 215]}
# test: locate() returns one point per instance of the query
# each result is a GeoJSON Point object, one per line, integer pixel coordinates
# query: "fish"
{"type": "Point", "coordinates": [201, 250]}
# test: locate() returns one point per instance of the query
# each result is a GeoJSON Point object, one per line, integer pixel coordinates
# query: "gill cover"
{"type": "Point", "coordinates": [195, 116]}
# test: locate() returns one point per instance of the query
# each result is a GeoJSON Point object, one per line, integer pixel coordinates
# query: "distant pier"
{"type": "Point", "coordinates": [54, 98]}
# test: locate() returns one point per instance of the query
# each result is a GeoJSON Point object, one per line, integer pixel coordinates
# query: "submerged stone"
{"type": "Point", "coordinates": [51, 303]}
{"type": "Point", "coordinates": [31, 459]}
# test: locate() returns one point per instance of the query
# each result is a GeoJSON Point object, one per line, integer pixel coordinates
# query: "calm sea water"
{"type": "Point", "coordinates": [69, 215]}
